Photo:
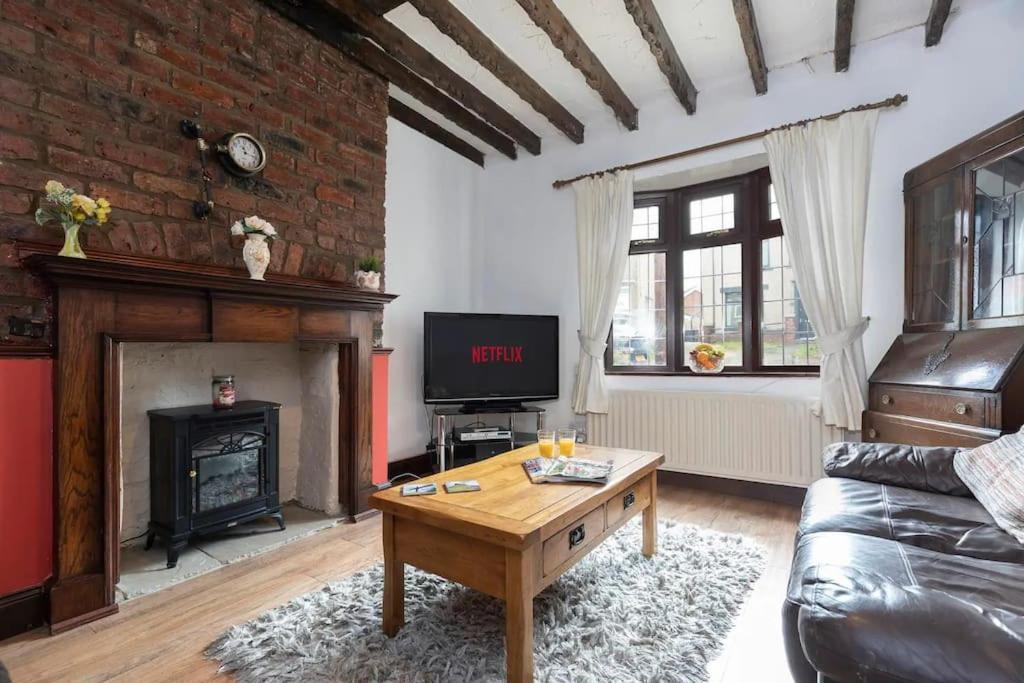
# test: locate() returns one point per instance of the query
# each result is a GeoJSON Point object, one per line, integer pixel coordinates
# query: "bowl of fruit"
{"type": "Point", "coordinates": [706, 359]}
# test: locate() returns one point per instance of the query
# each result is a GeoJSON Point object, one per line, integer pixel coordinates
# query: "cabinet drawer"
{"type": "Point", "coordinates": [881, 428]}
{"type": "Point", "coordinates": [629, 502]}
{"type": "Point", "coordinates": [573, 539]}
{"type": "Point", "coordinates": [943, 405]}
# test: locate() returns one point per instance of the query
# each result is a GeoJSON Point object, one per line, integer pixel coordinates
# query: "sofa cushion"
{"type": "Point", "coordinates": [994, 473]}
{"type": "Point", "coordinates": [948, 524]}
{"type": "Point", "coordinates": [867, 608]}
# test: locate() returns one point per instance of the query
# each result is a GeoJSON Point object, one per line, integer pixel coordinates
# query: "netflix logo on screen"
{"type": "Point", "coordinates": [477, 357]}
{"type": "Point", "coordinates": [496, 354]}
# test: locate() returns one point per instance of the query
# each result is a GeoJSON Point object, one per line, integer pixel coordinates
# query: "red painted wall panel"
{"type": "Point", "coordinates": [26, 473]}
{"type": "Point", "coordinates": [380, 416]}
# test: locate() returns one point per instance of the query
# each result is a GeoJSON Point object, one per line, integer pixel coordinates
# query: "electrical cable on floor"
{"type": "Point", "coordinates": [391, 482]}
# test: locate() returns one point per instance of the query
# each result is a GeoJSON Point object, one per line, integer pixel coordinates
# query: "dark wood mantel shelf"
{"type": "Point", "coordinates": [116, 269]}
{"type": "Point", "coordinates": [110, 299]}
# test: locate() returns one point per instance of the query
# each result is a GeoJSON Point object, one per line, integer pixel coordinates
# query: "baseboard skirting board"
{"type": "Point", "coordinates": [420, 465]}
{"type": "Point", "coordinates": [423, 465]}
{"type": "Point", "coordinates": [775, 493]}
{"type": "Point", "coordinates": [22, 611]}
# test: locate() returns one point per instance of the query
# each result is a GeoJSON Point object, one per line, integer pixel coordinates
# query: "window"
{"type": "Point", "coordinates": [709, 263]}
{"type": "Point", "coordinates": [639, 320]}
{"type": "Point", "coordinates": [712, 303]}
{"type": "Point", "coordinates": [712, 214]}
{"type": "Point", "coordinates": [645, 223]}
{"type": "Point", "coordinates": [787, 338]}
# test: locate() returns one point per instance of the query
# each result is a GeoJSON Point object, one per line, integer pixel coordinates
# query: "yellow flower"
{"type": "Point", "coordinates": [82, 204]}
{"type": "Point", "coordinates": [53, 187]}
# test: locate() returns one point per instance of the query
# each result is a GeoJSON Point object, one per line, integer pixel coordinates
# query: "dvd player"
{"type": "Point", "coordinates": [468, 434]}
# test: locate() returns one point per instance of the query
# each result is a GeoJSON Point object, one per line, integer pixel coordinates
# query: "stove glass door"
{"type": "Point", "coordinates": [228, 470]}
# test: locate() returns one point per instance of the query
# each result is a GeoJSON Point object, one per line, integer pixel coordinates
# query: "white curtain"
{"type": "Point", "coordinates": [820, 172]}
{"type": "Point", "coordinates": [604, 220]}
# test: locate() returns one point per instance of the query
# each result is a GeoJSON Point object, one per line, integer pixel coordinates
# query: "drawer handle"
{"type": "Point", "coordinates": [577, 535]}
{"type": "Point", "coordinates": [961, 408]}
{"type": "Point", "coordinates": [628, 500]}
{"type": "Point", "coordinates": [886, 399]}
{"type": "Point", "coordinates": [872, 433]}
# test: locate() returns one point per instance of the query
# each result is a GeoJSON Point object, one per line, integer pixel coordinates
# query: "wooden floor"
{"type": "Point", "coordinates": [161, 637]}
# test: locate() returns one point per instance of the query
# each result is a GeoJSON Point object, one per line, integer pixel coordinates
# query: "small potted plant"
{"type": "Point", "coordinates": [256, 250]}
{"type": "Point", "coordinates": [368, 273]}
{"type": "Point", "coordinates": [72, 211]}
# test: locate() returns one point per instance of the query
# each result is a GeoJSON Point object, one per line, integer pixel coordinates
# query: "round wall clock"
{"type": "Point", "coordinates": [242, 154]}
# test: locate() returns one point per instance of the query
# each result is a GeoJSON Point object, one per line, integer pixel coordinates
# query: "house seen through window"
{"type": "Point", "coordinates": [710, 264]}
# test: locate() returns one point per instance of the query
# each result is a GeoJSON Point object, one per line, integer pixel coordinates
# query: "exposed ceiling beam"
{"type": "Point", "coordinates": [418, 122]}
{"type": "Point", "coordinates": [751, 44]}
{"type": "Point", "coordinates": [649, 22]}
{"type": "Point", "coordinates": [421, 61]}
{"type": "Point", "coordinates": [844, 33]}
{"type": "Point", "coordinates": [382, 7]}
{"type": "Point", "coordinates": [937, 16]}
{"type": "Point", "coordinates": [375, 59]}
{"type": "Point", "coordinates": [551, 20]}
{"type": "Point", "coordinates": [453, 23]}
{"type": "Point", "coordinates": [322, 21]}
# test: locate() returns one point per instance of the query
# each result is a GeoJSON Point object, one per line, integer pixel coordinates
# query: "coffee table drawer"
{"type": "Point", "coordinates": [573, 539]}
{"type": "Point", "coordinates": [629, 502]}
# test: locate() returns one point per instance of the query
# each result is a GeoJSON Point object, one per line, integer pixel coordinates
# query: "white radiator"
{"type": "Point", "coordinates": [774, 439]}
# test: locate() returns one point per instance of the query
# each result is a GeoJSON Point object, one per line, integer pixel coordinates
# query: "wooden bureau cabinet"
{"type": "Point", "coordinates": [953, 378]}
{"type": "Point", "coordinates": [948, 388]}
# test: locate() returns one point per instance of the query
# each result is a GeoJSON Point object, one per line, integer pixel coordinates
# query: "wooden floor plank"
{"type": "Point", "coordinates": [161, 637]}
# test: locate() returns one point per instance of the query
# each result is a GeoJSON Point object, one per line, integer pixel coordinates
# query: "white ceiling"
{"type": "Point", "coordinates": [704, 33]}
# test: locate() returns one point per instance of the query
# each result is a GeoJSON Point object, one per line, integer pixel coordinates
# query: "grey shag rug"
{"type": "Point", "coordinates": [616, 616]}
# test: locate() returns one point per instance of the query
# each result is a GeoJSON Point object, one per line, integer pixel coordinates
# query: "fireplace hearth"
{"type": "Point", "coordinates": [210, 470]}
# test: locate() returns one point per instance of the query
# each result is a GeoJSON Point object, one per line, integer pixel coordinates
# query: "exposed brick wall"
{"type": "Point", "coordinates": [91, 94]}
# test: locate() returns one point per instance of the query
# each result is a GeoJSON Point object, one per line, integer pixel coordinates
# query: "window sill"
{"type": "Point", "coordinates": [686, 373]}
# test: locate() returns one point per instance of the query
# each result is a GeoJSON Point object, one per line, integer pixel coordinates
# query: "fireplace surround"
{"type": "Point", "coordinates": [111, 299]}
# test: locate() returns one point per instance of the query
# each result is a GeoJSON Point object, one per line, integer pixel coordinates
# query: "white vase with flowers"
{"type": "Point", "coordinates": [256, 250]}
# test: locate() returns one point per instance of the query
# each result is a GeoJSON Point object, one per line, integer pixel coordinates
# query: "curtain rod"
{"type": "Point", "coordinates": [894, 101]}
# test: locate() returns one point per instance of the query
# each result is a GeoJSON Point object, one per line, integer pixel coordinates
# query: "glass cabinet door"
{"type": "Point", "coordinates": [933, 244]}
{"type": "Point", "coordinates": [997, 239]}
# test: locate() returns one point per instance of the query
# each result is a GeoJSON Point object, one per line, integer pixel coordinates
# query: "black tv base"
{"type": "Point", "coordinates": [494, 408]}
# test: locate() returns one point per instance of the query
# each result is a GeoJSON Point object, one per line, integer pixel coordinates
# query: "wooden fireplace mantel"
{"type": "Point", "coordinates": [109, 299]}
{"type": "Point", "coordinates": [113, 270]}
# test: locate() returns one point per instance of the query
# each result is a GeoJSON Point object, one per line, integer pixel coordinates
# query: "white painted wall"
{"type": "Point", "coordinates": [432, 237]}
{"type": "Point", "coordinates": [526, 229]}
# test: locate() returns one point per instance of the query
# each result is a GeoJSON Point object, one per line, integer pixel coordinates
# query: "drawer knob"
{"type": "Point", "coordinates": [872, 433]}
{"type": "Point", "coordinates": [961, 408]}
{"type": "Point", "coordinates": [628, 500]}
{"type": "Point", "coordinates": [886, 399]}
{"type": "Point", "coordinates": [192, 474]}
{"type": "Point", "coordinates": [577, 535]}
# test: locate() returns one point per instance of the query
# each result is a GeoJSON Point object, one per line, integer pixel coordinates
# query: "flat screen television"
{"type": "Point", "coordinates": [489, 358]}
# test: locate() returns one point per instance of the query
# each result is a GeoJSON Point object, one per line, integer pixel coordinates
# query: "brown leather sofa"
{"type": "Point", "coordinates": [900, 575]}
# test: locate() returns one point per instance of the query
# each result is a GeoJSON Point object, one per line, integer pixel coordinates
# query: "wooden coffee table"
{"type": "Point", "coordinates": [513, 538]}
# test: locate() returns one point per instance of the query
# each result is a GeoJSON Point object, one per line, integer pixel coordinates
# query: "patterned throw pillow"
{"type": "Point", "coordinates": [995, 475]}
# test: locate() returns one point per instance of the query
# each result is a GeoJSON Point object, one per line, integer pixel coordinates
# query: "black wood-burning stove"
{"type": "Point", "coordinates": [211, 469]}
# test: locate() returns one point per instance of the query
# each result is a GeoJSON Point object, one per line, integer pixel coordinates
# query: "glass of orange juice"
{"type": "Point", "coordinates": [566, 441]}
{"type": "Point", "coordinates": [546, 442]}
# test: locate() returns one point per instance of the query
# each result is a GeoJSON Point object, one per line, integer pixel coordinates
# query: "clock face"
{"type": "Point", "coordinates": [246, 153]}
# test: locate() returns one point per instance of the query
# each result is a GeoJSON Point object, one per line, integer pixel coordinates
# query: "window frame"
{"type": "Point", "coordinates": [752, 225]}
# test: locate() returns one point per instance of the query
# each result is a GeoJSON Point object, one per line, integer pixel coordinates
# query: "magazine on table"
{"type": "Point", "coordinates": [562, 469]}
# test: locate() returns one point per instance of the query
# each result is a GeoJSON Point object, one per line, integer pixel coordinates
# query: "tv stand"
{"type": "Point", "coordinates": [444, 415]}
{"type": "Point", "coordinates": [492, 408]}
